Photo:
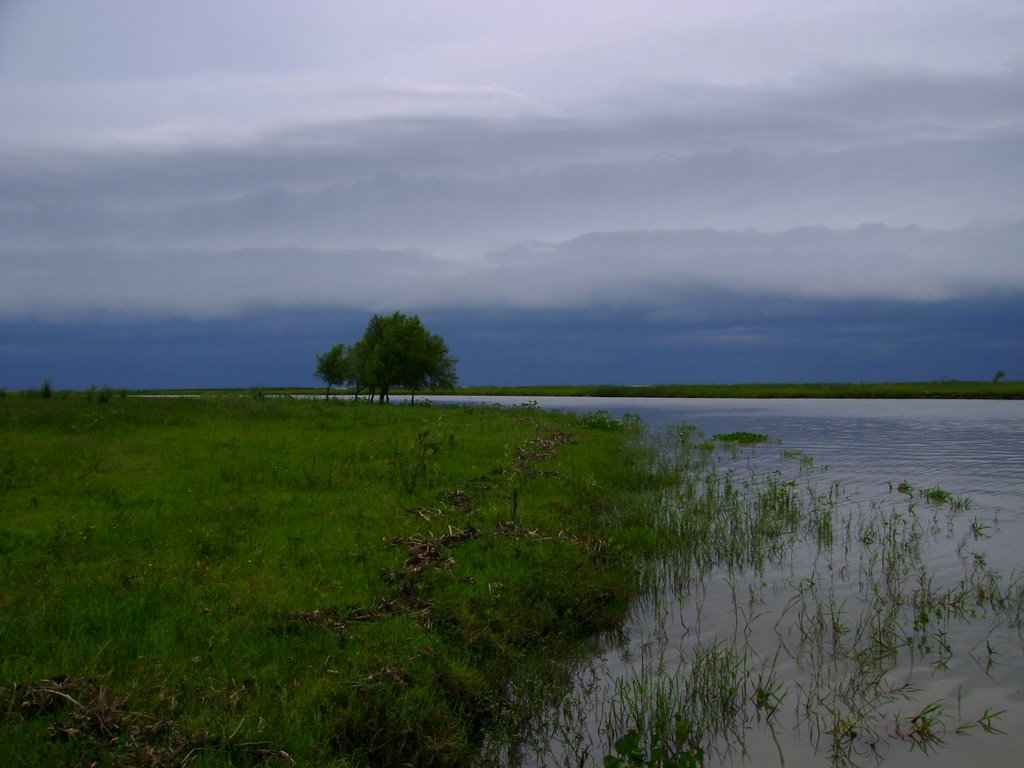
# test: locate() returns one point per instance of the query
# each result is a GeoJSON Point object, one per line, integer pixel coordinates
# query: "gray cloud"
{"type": "Point", "coordinates": [667, 191]}
{"type": "Point", "coordinates": [926, 149]}
{"type": "Point", "coordinates": [47, 284]}
{"type": "Point", "coordinates": [675, 271]}
{"type": "Point", "coordinates": [682, 273]}
{"type": "Point", "coordinates": [208, 188]}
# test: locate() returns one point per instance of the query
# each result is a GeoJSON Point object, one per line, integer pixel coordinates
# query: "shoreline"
{"type": "Point", "coordinates": [925, 390]}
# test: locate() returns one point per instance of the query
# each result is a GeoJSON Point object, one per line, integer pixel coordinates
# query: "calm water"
{"type": "Point", "coordinates": [973, 449]}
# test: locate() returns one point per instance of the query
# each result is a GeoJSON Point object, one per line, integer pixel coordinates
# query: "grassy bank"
{"type": "Point", "coordinates": [232, 581]}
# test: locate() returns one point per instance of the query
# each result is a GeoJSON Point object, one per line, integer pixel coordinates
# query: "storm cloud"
{"type": "Point", "coordinates": [583, 158]}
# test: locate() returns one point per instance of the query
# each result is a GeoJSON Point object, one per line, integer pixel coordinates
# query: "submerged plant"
{"type": "Point", "coordinates": [682, 752]}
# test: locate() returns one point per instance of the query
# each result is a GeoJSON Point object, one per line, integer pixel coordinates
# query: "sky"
{"type": "Point", "coordinates": [590, 191]}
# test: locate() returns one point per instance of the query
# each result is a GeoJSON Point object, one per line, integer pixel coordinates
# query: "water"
{"type": "Point", "coordinates": [973, 449]}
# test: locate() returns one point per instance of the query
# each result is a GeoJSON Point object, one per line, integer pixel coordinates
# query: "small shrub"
{"type": "Point", "coordinates": [601, 420]}
{"type": "Point", "coordinates": [411, 466]}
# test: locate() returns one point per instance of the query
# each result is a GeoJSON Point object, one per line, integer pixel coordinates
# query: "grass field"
{"type": "Point", "coordinates": [242, 580]}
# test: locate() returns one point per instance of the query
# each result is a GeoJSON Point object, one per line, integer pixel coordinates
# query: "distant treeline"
{"type": "Point", "coordinates": [967, 390]}
{"type": "Point", "coordinates": [1001, 390]}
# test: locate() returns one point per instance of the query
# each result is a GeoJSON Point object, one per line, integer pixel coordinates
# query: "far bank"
{"type": "Point", "coordinates": [948, 390]}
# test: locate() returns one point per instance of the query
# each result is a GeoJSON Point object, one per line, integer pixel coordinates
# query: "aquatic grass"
{"type": "Point", "coordinates": [806, 460]}
{"type": "Point", "coordinates": [677, 714]}
{"type": "Point", "coordinates": [859, 627]}
{"type": "Point", "coordinates": [742, 438]}
{"type": "Point", "coordinates": [682, 752]}
{"type": "Point", "coordinates": [986, 723]}
{"type": "Point", "coordinates": [936, 495]}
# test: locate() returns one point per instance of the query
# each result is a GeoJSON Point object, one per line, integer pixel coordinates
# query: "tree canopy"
{"type": "Point", "coordinates": [335, 367]}
{"type": "Point", "coordinates": [395, 351]}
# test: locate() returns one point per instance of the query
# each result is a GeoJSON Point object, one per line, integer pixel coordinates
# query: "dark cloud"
{"type": "Point", "coordinates": [662, 271]}
{"type": "Point", "coordinates": [862, 222]}
{"type": "Point", "coordinates": [181, 282]}
{"type": "Point", "coordinates": [926, 149]}
{"type": "Point", "coordinates": [767, 340]}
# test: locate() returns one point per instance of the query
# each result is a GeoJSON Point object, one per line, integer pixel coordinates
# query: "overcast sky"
{"type": "Point", "coordinates": [204, 161]}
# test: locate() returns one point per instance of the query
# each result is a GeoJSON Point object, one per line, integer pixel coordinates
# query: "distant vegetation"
{"type": "Point", "coordinates": [395, 351]}
{"type": "Point", "coordinates": [949, 390]}
{"type": "Point", "coordinates": [742, 438]}
{"type": "Point", "coordinates": [998, 389]}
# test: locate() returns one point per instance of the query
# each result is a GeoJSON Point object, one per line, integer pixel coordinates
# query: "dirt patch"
{"type": "Point", "coordinates": [429, 551]}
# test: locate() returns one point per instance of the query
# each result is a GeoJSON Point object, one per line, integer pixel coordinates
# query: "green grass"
{"type": "Point", "coordinates": [231, 581]}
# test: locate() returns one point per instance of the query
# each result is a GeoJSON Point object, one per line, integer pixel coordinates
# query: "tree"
{"type": "Point", "coordinates": [335, 367]}
{"type": "Point", "coordinates": [398, 351]}
{"type": "Point", "coordinates": [395, 351]}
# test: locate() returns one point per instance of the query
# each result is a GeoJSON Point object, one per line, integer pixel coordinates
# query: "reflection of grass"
{"type": "Point", "coordinates": [236, 580]}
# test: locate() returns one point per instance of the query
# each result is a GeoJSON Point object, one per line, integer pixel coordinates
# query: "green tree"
{"type": "Point", "coordinates": [335, 367]}
{"type": "Point", "coordinates": [396, 351]}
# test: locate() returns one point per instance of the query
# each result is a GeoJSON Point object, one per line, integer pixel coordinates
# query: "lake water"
{"type": "Point", "coordinates": [863, 450]}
